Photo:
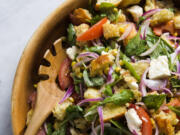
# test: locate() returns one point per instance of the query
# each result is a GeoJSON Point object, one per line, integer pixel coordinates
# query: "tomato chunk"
{"type": "Point", "coordinates": [64, 77]}
{"type": "Point", "coordinates": [146, 121]}
{"type": "Point", "coordinates": [94, 32]}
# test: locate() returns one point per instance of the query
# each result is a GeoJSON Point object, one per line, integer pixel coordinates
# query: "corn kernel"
{"type": "Point", "coordinates": [176, 34]}
{"type": "Point", "coordinates": [114, 52]}
{"type": "Point", "coordinates": [71, 99]}
{"type": "Point", "coordinates": [73, 63]}
{"type": "Point", "coordinates": [107, 49]}
{"type": "Point", "coordinates": [106, 70]}
{"type": "Point", "coordinates": [121, 63]}
{"type": "Point", "coordinates": [121, 29]}
{"type": "Point", "coordinates": [153, 123]}
{"type": "Point", "coordinates": [35, 85]}
{"type": "Point", "coordinates": [79, 75]}
{"type": "Point", "coordinates": [117, 69]}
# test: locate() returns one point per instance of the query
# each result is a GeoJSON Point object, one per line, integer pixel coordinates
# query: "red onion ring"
{"type": "Point", "coordinates": [89, 100]}
{"type": "Point", "coordinates": [100, 112]}
{"type": "Point", "coordinates": [151, 12]}
{"type": "Point", "coordinates": [83, 61]}
{"type": "Point", "coordinates": [142, 84]}
{"type": "Point", "coordinates": [110, 78]}
{"type": "Point", "coordinates": [166, 90]}
{"type": "Point", "coordinates": [88, 54]}
{"type": "Point", "coordinates": [144, 28]}
{"type": "Point", "coordinates": [155, 84]}
{"type": "Point", "coordinates": [67, 94]}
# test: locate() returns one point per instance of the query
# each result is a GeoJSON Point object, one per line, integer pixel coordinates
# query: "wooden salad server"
{"type": "Point", "coordinates": [48, 93]}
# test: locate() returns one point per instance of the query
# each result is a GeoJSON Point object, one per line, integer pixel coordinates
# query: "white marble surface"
{"type": "Point", "coordinates": [18, 20]}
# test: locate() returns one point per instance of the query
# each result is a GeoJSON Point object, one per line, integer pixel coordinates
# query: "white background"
{"type": "Point", "coordinates": [18, 20]}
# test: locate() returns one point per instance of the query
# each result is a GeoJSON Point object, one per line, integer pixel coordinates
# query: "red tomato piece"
{"type": "Point", "coordinates": [64, 77]}
{"type": "Point", "coordinates": [94, 32]}
{"type": "Point", "coordinates": [146, 121]}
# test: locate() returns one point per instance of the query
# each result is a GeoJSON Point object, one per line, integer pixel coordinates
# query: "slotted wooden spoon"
{"type": "Point", "coordinates": [48, 93]}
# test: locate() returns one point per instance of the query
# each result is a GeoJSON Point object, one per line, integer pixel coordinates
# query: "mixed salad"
{"type": "Point", "coordinates": [122, 73]}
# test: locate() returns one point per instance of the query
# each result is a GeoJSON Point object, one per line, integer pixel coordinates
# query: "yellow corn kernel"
{"type": "Point", "coordinates": [35, 85]}
{"type": "Point", "coordinates": [79, 75]}
{"type": "Point", "coordinates": [71, 99]}
{"type": "Point", "coordinates": [115, 9]}
{"type": "Point", "coordinates": [153, 123]}
{"type": "Point", "coordinates": [121, 63]}
{"type": "Point", "coordinates": [114, 52]}
{"type": "Point", "coordinates": [106, 70]}
{"type": "Point", "coordinates": [107, 49]}
{"type": "Point", "coordinates": [121, 29]}
{"type": "Point", "coordinates": [73, 63]}
{"type": "Point", "coordinates": [117, 69]}
{"type": "Point", "coordinates": [175, 34]}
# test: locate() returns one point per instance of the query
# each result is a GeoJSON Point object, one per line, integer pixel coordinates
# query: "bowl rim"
{"type": "Point", "coordinates": [36, 37]}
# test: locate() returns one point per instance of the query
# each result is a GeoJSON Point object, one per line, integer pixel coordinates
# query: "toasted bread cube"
{"type": "Point", "coordinates": [98, 65]}
{"type": "Point", "coordinates": [111, 30]}
{"type": "Point", "coordinates": [166, 122]}
{"type": "Point", "coordinates": [126, 3]}
{"type": "Point", "coordinates": [177, 22]}
{"type": "Point", "coordinates": [136, 12]}
{"type": "Point", "coordinates": [82, 15]}
{"type": "Point", "coordinates": [81, 29]}
{"type": "Point", "coordinates": [92, 93]}
{"type": "Point", "coordinates": [150, 4]}
{"type": "Point", "coordinates": [161, 17]}
{"type": "Point", "coordinates": [112, 111]}
{"type": "Point", "coordinates": [121, 17]}
{"type": "Point", "coordinates": [114, 2]}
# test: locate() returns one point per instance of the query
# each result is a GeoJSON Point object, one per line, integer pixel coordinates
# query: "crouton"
{"type": "Point", "coordinates": [82, 15]}
{"type": "Point", "coordinates": [59, 110]}
{"type": "Point", "coordinates": [140, 67]}
{"type": "Point", "coordinates": [161, 17]}
{"type": "Point", "coordinates": [111, 30]}
{"type": "Point", "coordinates": [114, 2]}
{"type": "Point", "coordinates": [164, 4]}
{"type": "Point", "coordinates": [98, 65]}
{"type": "Point", "coordinates": [131, 35]}
{"type": "Point", "coordinates": [121, 17]}
{"type": "Point", "coordinates": [92, 93]}
{"type": "Point", "coordinates": [166, 122]}
{"type": "Point", "coordinates": [126, 3]}
{"type": "Point", "coordinates": [112, 111]}
{"type": "Point", "coordinates": [136, 12]}
{"type": "Point", "coordinates": [79, 31]}
{"type": "Point", "coordinates": [177, 21]}
{"type": "Point", "coordinates": [150, 4]}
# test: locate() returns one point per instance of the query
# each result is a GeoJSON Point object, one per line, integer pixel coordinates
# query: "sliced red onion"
{"type": "Point", "coordinates": [151, 12]}
{"type": "Point", "coordinates": [177, 74]}
{"type": "Point", "coordinates": [157, 130]}
{"type": "Point", "coordinates": [110, 78]}
{"type": "Point", "coordinates": [67, 94]}
{"type": "Point", "coordinates": [150, 50]}
{"type": "Point", "coordinates": [178, 68]}
{"type": "Point", "coordinates": [88, 54]}
{"type": "Point", "coordinates": [97, 42]}
{"type": "Point", "coordinates": [100, 112]}
{"type": "Point", "coordinates": [93, 129]}
{"type": "Point", "coordinates": [142, 84]}
{"type": "Point", "coordinates": [166, 90]}
{"type": "Point", "coordinates": [173, 38]}
{"type": "Point", "coordinates": [144, 28]}
{"type": "Point", "coordinates": [177, 51]}
{"type": "Point", "coordinates": [83, 61]}
{"type": "Point", "coordinates": [90, 100]}
{"type": "Point", "coordinates": [134, 132]}
{"type": "Point", "coordinates": [155, 84]}
{"type": "Point", "coordinates": [127, 32]}
{"type": "Point", "coordinates": [133, 59]}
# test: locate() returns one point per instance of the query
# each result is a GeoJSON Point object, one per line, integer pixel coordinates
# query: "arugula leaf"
{"type": "Point", "coordinates": [136, 46]}
{"type": "Point", "coordinates": [61, 131]}
{"type": "Point", "coordinates": [154, 101]}
{"type": "Point", "coordinates": [109, 10]}
{"type": "Point", "coordinates": [131, 69]}
{"type": "Point", "coordinates": [121, 127]}
{"type": "Point", "coordinates": [86, 79]}
{"type": "Point", "coordinates": [72, 112]}
{"type": "Point", "coordinates": [97, 81]}
{"type": "Point", "coordinates": [97, 49]}
{"type": "Point", "coordinates": [175, 109]}
{"type": "Point", "coordinates": [97, 18]}
{"type": "Point", "coordinates": [121, 98]}
{"type": "Point", "coordinates": [49, 128]}
{"type": "Point", "coordinates": [108, 90]}
{"type": "Point", "coordinates": [71, 35]}
{"type": "Point", "coordinates": [175, 83]}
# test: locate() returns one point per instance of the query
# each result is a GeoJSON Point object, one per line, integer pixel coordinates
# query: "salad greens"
{"type": "Point", "coordinates": [71, 35]}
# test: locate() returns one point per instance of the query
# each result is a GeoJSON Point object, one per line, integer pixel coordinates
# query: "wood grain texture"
{"type": "Point", "coordinates": [51, 29]}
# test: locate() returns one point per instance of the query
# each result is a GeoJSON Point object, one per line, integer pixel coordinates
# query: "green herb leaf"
{"type": "Point", "coordinates": [108, 90]}
{"type": "Point", "coordinates": [71, 35]}
{"type": "Point", "coordinates": [154, 101]}
{"type": "Point", "coordinates": [121, 98]}
{"type": "Point", "coordinates": [61, 131]}
{"type": "Point", "coordinates": [136, 46]}
{"type": "Point", "coordinates": [87, 81]}
{"type": "Point", "coordinates": [131, 69]}
{"type": "Point", "coordinates": [175, 109]}
{"type": "Point", "coordinates": [49, 129]}
{"type": "Point", "coordinates": [97, 18]}
{"type": "Point", "coordinates": [97, 49]}
{"type": "Point", "coordinates": [175, 83]}
{"type": "Point", "coordinates": [97, 81]}
{"type": "Point", "coordinates": [121, 127]}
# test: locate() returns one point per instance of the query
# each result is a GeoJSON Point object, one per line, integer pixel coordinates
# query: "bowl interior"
{"type": "Point", "coordinates": [26, 75]}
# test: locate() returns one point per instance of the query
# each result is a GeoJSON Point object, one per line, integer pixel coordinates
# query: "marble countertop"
{"type": "Point", "coordinates": [18, 20]}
